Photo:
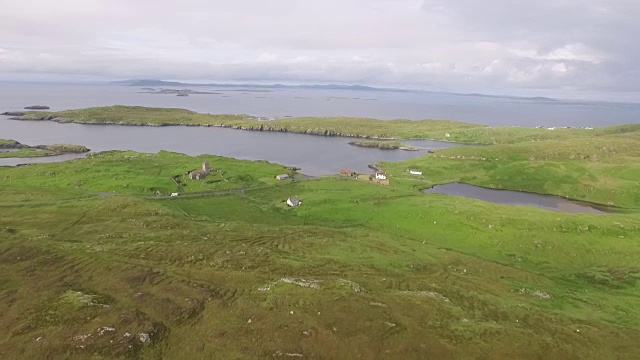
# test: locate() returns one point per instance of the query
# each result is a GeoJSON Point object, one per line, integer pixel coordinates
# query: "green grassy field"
{"type": "Point", "coordinates": [335, 126]}
{"type": "Point", "coordinates": [92, 261]}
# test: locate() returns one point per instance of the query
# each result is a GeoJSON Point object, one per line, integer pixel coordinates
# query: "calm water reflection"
{"type": "Point", "coordinates": [508, 197]}
{"type": "Point", "coordinates": [316, 155]}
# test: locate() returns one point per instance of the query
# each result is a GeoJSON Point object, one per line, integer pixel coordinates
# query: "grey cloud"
{"type": "Point", "coordinates": [497, 45]}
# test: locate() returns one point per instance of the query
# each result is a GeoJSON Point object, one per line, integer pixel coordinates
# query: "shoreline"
{"type": "Point", "coordinates": [385, 145]}
{"type": "Point", "coordinates": [235, 127]}
{"type": "Point", "coordinates": [39, 151]}
{"type": "Point", "coordinates": [445, 131]}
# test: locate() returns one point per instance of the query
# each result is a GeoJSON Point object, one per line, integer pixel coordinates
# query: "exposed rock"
{"type": "Point", "coordinates": [12, 145]}
{"type": "Point", "coordinates": [12, 113]}
{"type": "Point", "coordinates": [37, 107]}
{"type": "Point", "coordinates": [280, 353]}
{"type": "Point", "coordinates": [430, 294]}
{"type": "Point", "coordinates": [542, 295]}
{"type": "Point", "coordinates": [144, 337]}
{"type": "Point", "coordinates": [314, 284]}
{"type": "Point", "coordinates": [354, 286]}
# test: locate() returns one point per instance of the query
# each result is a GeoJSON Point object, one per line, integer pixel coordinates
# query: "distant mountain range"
{"type": "Point", "coordinates": [156, 83]}
{"type": "Point", "coordinates": [160, 83]}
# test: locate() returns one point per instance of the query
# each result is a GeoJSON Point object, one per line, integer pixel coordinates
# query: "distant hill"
{"type": "Point", "coordinates": [160, 83]}
{"type": "Point", "coordinates": [534, 98]}
{"type": "Point", "coordinates": [157, 83]}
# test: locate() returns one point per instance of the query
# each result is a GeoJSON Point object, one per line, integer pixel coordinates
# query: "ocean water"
{"type": "Point", "coordinates": [311, 102]}
{"type": "Point", "coordinates": [316, 155]}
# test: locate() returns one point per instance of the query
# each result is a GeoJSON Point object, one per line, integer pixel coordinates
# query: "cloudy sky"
{"type": "Point", "coordinates": [493, 46]}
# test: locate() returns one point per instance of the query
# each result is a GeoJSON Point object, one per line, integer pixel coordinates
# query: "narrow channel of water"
{"type": "Point", "coordinates": [510, 197]}
{"type": "Point", "coordinates": [40, 159]}
{"type": "Point", "coordinates": [315, 155]}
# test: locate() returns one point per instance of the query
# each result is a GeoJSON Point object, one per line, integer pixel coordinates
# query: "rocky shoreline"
{"type": "Point", "coordinates": [54, 150]}
{"type": "Point", "coordinates": [382, 145]}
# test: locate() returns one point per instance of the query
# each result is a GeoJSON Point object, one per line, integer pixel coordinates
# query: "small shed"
{"type": "Point", "coordinates": [347, 172]}
{"type": "Point", "coordinates": [415, 172]}
{"type": "Point", "coordinates": [293, 201]}
{"type": "Point", "coordinates": [174, 194]}
{"type": "Point", "coordinates": [282, 177]}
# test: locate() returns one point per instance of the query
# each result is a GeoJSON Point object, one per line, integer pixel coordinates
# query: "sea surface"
{"type": "Point", "coordinates": [315, 155]}
{"type": "Point", "coordinates": [274, 103]}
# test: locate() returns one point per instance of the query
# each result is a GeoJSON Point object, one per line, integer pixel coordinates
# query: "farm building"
{"type": "Point", "coordinates": [381, 176]}
{"type": "Point", "coordinates": [415, 172]}
{"type": "Point", "coordinates": [293, 201]}
{"type": "Point", "coordinates": [282, 177]}
{"type": "Point", "coordinates": [347, 172]}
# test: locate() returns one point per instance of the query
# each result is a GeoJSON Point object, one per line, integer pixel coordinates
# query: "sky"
{"type": "Point", "coordinates": [575, 48]}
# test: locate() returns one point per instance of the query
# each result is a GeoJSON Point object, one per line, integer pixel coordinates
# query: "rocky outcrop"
{"type": "Point", "coordinates": [37, 107]}
{"type": "Point", "coordinates": [63, 148]}
{"type": "Point", "coordinates": [11, 144]}
{"type": "Point", "coordinates": [12, 113]}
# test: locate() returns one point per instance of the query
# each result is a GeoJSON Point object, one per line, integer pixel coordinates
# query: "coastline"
{"type": "Point", "coordinates": [230, 126]}
{"type": "Point", "coordinates": [38, 151]}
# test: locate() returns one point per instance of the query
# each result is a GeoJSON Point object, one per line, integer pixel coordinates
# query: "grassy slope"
{"type": "Point", "coordinates": [185, 270]}
{"type": "Point", "coordinates": [428, 129]}
{"type": "Point", "coordinates": [401, 275]}
{"type": "Point", "coordinates": [143, 174]}
{"type": "Point", "coordinates": [603, 169]}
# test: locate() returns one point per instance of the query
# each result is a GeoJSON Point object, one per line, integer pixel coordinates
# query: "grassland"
{"type": "Point", "coordinates": [92, 260]}
{"type": "Point", "coordinates": [330, 126]}
{"type": "Point", "coordinates": [8, 144]}
{"type": "Point", "coordinates": [127, 172]}
{"type": "Point", "coordinates": [600, 169]}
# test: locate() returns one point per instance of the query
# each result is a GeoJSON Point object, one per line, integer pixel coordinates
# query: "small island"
{"type": "Point", "coordinates": [14, 149]}
{"type": "Point", "coordinates": [384, 145]}
{"type": "Point", "coordinates": [37, 107]}
{"type": "Point", "coordinates": [177, 92]}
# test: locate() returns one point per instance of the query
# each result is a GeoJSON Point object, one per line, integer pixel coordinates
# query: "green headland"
{"type": "Point", "coordinates": [26, 151]}
{"type": "Point", "coordinates": [329, 126]}
{"type": "Point", "coordinates": [98, 259]}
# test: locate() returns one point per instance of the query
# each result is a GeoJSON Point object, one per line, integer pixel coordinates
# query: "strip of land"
{"type": "Point", "coordinates": [383, 145]}
{"type": "Point", "coordinates": [443, 130]}
{"type": "Point", "coordinates": [18, 150]}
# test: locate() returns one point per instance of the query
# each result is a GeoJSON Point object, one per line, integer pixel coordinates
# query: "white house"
{"type": "Point", "coordinates": [174, 194]}
{"type": "Point", "coordinates": [282, 177]}
{"type": "Point", "coordinates": [381, 176]}
{"type": "Point", "coordinates": [415, 172]}
{"type": "Point", "coordinates": [294, 201]}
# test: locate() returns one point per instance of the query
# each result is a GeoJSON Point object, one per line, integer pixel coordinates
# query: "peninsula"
{"type": "Point", "coordinates": [442, 130]}
{"type": "Point", "coordinates": [14, 149]}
